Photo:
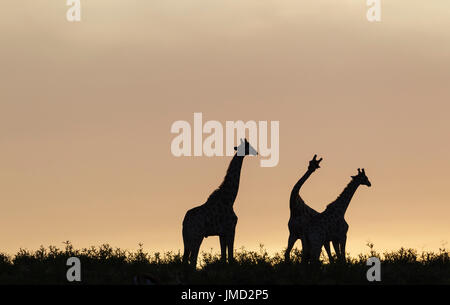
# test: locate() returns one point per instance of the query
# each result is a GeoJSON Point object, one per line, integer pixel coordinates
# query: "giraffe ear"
{"type": "Point", "coordinates": [235, 148]}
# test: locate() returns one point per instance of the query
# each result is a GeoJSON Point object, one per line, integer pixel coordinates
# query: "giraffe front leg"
{"type": "Point", "coordinates": [186, 255]}
{"type": "Point", "coordinates": [314, 246]}
{"type": "Point", "coordinates": [223, 248]}
{"type": "Point", "coordinates": [230, 246]}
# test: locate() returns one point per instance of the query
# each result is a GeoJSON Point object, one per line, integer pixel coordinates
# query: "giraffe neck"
{"type": "Point", "coordinates": [295, 196]}
{"type": "Point", "coordinates": [340, 205]}
{"type": "Point", "coordinates": [230, 185]}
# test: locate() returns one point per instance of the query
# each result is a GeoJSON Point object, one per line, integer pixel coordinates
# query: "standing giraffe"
{"type": "Point", "coordinates": [216, 216]}
{"type": "Point", "coordinates": [328, 225]}
{"type": "Point", "coordinates": [301, 213]}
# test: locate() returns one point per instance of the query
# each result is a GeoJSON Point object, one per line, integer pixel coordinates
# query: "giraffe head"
{"type": "Point", "coordinates": [314, 163]}
{"type": "Point", "coordinates": [361, 178]}
{"type": "Point", "coordinates": [245, 149]}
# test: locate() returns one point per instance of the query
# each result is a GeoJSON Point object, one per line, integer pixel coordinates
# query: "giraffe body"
{"type": "Point", "coordinates": [209, 220]}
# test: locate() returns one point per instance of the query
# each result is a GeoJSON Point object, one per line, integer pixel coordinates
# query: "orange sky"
{"type": "Point", "coordinates": [86, 110]}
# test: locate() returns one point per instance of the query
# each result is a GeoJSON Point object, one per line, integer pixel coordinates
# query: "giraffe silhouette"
{"type": "Point", "coordinates": [330, 224]}
{"type": "Point", "coordinates": [301, 213]}
{"type": "Point", "coordinates": [216, 216]}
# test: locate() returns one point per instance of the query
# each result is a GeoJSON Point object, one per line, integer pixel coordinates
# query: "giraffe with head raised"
{"type": "Point", "coordinates": [216, 216]}
{"type": "Point", "coordinates": [330, 224]}
{"type": "Point", "coordinates": [301, 213]}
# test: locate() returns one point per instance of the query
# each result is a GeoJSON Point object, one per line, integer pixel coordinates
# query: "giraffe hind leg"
{"type": "Point", "coordinates": [327, 248]}
{"type": "Point", "coordinates": [315, 253]}
{"type": "Point", "coordinates": [187, 247]}
{"type": "Point", "coordinates": [223, 248]}
{"type": "Point", "coordinates": [291, 241]}
{"type": "Point", "coordinates": [186, 254]}
{"type": "Point", "coordinates": [194, 251]}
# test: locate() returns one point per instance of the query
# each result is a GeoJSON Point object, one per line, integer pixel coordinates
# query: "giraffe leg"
{"type": "Point", "coordinates": [327, 248]}
{"type": "Point", "coordinates": [186, 254]}
{"type": "Point", "coordinates": [291, 241]}
{"type": "Point", "coordinates": [187, 247]}
{"type": "Point", "coordinates": [223, 248]}
{"type": "Point", "coordinates": [306, 250]}
{"type": "Point", "coordinates": [343, 242]}
{"type": "Point", "coordinates": [314, 245]}
{"type": "Point", "coordinates": [230, 245]}
{"type": "Point", "coordinates": [315, 253]}
{"type": "Point", "coordinates": [337, 249]}
{"type": "Point", "coordinates": [194, 252]}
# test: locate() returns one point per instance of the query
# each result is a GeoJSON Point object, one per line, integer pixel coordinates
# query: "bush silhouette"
{"type": "Point", "coordinates": [107, 265]}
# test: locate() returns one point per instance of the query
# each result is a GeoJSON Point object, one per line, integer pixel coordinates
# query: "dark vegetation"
{"type": "Point", "coordinates": [107, 265]}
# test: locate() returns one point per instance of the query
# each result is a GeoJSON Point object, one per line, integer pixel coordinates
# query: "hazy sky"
{"type": "Point", "coordinates": [86, 110]}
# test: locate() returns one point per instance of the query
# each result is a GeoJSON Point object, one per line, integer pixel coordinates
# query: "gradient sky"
{"type": "Point", "coordinates": [86, 110]}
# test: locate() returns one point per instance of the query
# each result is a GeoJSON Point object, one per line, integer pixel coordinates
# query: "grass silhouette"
{"type": "Point", "coordinates": [107, 265]}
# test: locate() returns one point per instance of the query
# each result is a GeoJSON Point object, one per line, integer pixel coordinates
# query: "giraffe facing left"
{"type": "Point", "coordinates": [216, 216]}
